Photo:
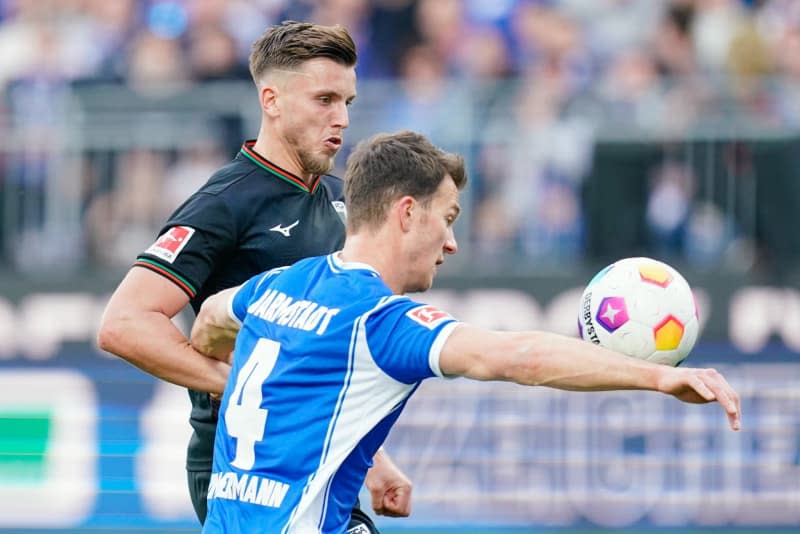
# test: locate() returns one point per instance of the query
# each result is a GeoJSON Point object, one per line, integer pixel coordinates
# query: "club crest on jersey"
{"type": "Point", "coordinates": [170, 243]}
{"type": "Point", "coordinates": [428, 316]}
{"type": "Point", "coordinates": [340, 208]}
{"type": "Point", "coordinates": [358, 529]}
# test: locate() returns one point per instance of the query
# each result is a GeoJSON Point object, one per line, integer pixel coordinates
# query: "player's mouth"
{"type": "Point", "coordinates": [333, 143]}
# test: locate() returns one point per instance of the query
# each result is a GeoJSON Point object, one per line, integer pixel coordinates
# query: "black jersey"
{"type": "Point", "coordinates": [251, 216]}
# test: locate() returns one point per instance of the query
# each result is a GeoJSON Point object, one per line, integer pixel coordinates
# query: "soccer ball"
{"type": "Point", "coordinates": [641, 307]}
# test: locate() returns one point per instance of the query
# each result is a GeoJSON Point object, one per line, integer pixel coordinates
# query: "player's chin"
{"type": "Point", "coordinates": [328, 162]}
{"type": "Point", "coordinates": [428, 283]}
{"type": "Point", "coordinates": [420, 286]}
{"type": "Point", "coordinates": [321, 165]}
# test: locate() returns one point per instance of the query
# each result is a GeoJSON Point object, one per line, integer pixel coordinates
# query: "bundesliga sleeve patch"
{"type": "Point", "coordinates": [428, 316]}
{"type": "Point", "coordinates": [169, 245]}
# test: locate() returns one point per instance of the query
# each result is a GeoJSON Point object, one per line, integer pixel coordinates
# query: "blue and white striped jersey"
{"type": "Point", "coordinates": [324, 363]}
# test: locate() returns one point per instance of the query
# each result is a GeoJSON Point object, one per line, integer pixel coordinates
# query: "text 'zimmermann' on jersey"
{"type": "Point", "coordinates": [279, 308]}
{"type": "Point", "coordinates": [247, 488]}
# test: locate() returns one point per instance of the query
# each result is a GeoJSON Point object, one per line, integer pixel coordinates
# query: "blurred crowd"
{"type": "Point", "coordinates": [528, 89]}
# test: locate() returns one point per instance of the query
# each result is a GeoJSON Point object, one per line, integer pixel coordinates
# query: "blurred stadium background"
{"type": "Point", "coordinates": [593, 129]}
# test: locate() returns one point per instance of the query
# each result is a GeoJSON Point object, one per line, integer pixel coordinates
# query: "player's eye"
{"type": "Point", "coordinates": [325, 99]}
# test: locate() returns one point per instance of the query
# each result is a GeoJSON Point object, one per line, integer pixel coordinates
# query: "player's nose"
{"type": "Point", "coordinates": [450, 244]}
{"type": "Point", "coordinates": [341, 117]}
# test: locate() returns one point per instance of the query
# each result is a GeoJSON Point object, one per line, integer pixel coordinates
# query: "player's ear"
{"type": "Point", "coordinates": [404, 209]}
{"type": "Point", "coordinates": [268, 96]}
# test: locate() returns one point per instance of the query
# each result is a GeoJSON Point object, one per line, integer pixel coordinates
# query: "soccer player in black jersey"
{"type": "Point", "coordinates": [271, 206]}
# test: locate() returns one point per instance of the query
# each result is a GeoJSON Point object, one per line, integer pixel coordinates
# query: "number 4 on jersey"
{"type": "Point", "coordinates": [244, 417]}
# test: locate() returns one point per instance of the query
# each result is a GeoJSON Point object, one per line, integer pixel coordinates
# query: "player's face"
{"type": "Point", "coordinates": [434, 236]}
{"type": "Point", "coordinates": [314, 112]}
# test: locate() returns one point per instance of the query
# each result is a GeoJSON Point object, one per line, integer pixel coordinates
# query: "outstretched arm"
{"type": "Point", "coordinates": [546, 359]}
{"type": "Point", "coordinates": [137, 326]}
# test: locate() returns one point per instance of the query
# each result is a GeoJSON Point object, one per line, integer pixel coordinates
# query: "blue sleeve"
{"type": "Point", "coordinates": [405, 338]}
{"type": "Point", "coordinates": [249, 292]}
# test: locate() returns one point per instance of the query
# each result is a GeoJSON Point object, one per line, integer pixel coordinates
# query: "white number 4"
{"type": "Point", "coordinates": [244, 417]}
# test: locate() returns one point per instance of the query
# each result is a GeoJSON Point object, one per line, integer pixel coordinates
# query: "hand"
{"type": "Point", "coordinates": [389, 487]}
{"type": "Point", "coordinates": [227, 363]}
{"type": "Point", "coordinates": [700, 386]}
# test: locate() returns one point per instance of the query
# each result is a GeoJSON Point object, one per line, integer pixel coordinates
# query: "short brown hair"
{"type": "Point", "coordinates": [387, 167]}
{"type": "Point", "coordinates": [288, 44]}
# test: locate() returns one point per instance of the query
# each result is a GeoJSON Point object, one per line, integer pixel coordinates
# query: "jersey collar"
{"type": "Point", "coordinates": [248, 152]}
{"type": "Point", "coordinates": [338, 264]}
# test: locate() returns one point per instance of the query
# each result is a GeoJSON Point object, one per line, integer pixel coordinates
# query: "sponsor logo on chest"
{"type": "Point", "coordinates": [285, 231]}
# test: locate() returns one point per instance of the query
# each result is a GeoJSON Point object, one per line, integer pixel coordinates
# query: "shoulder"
{"type": "Point", "coordinates": [232, 188]}
{"type": "Point", "coordinates": [235, 178]}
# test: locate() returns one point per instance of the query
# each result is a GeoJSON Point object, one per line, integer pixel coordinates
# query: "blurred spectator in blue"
{"type": "Point", "coordinates": [156, 65]}
{"type": "Point", "coordinates": [113, 25]}
{"type": "Point", "coordinates": [670, 197]}
{"type": "Point", "coordinates": [213, 55]}
{"type": "Point", "coordinates": [242, 20]}
{"type": "Point", "coordinates": [485, 56]}
{"type": "Point", "coordinates": [631, 91]}
{"type": "Point", "coordinates": [708, 237]}
{"type": "Point", "coordinates": [549, 40]}
{"type": "Point", "coordinates": [533, 166]}
{"type": "Point", "coordinates": [391, 31]}
{"type": "Point", "coordinates": [429, 101]}
{"type": "Point", "coordinates": [610, 27]}
{"type": "Point", "coordinates": [442, 26]}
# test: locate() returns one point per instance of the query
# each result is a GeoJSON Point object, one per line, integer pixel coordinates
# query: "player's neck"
{"type": "Point", "coordinates": [376, 252]}
{"type": "Point", "coordinates": [278, 154]}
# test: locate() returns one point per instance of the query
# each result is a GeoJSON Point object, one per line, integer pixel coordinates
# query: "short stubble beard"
{"type": "Point", "coordinates": [314, 165]}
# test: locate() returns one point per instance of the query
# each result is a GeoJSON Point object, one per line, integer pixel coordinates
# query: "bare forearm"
{"type": "Point", "coordinates": [546, 359]}
{"type": "Point", "coordinates": [543, 359]}
{"type": "Point", "coordinates": [150, 341]}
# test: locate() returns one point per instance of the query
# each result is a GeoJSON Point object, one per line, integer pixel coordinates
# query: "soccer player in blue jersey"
{"type": "Point", "coordinates": [329, 350]}
{"type": "Point", "coordinates": [271, 206]}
